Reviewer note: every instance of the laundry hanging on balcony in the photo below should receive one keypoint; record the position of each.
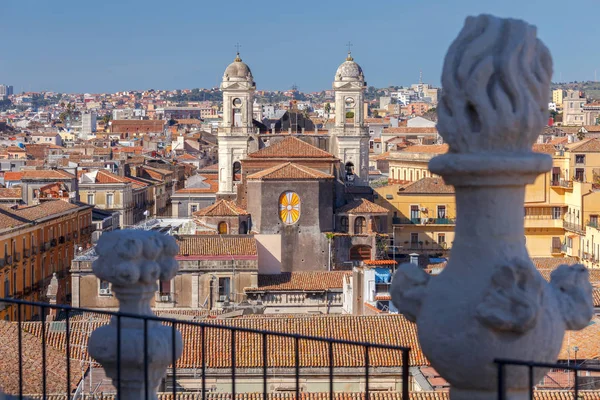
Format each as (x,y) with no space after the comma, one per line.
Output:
(383,275)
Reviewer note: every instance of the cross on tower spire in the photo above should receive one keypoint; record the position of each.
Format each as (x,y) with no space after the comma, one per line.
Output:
(349,45)
(237,56)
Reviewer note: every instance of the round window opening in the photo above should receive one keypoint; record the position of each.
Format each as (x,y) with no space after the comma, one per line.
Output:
(289,207)
(349,101)
(237,102)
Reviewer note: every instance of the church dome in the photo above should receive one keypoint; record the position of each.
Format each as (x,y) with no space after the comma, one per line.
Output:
(349,71)
(237,69)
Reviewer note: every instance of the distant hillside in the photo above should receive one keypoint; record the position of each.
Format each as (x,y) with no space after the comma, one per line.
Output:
(591,88)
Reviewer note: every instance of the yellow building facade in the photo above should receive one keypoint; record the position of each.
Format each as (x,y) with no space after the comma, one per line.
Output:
(561,213)
(35,243)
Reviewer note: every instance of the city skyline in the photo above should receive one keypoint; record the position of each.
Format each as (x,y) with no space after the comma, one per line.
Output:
(78,49)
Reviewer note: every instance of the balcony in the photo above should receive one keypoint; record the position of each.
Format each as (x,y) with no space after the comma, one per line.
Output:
(61,240)
(424,247)
(575,228)
(561,183)
(556,250)
(542,221)
(8,260)
(34,250)
(17,256)
(27,253)
(53,242)
(423,221)
(593,224)
(68,237)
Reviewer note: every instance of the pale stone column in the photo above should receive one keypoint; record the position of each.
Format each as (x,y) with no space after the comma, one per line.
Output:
(490,302)
(133,261)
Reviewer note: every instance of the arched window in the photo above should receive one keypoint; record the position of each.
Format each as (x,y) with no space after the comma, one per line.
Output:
(344,224)
(237,171)
(243,228)
(360,225)
(222,228)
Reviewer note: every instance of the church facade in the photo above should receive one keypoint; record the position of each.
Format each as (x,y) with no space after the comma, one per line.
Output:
(292,184)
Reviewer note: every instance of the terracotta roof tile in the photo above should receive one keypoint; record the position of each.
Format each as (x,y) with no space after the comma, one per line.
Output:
(427,185)
(10,193)
(590,145)
(380,262)
(45,174)
(302,280)
(13,176)
(289,171)
(104,176)
(56,375)
(362,206)
(216,245)
(544,148)
(222,208)
(291,147)
(427,148)
(410,131)
(214,188)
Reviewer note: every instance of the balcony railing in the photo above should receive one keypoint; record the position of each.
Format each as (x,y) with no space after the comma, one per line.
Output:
(61,239)
(305,352)
(27,253)
(8,259)
(53,243)
(556,249)
(561,183)
(423,221)
(593,223)
(17,256)
(577,228)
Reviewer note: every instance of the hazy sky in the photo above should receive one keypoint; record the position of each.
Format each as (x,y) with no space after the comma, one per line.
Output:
(112,45)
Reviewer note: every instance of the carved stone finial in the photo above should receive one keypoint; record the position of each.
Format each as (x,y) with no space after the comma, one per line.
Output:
(496,79)
(490,302)
(133,261)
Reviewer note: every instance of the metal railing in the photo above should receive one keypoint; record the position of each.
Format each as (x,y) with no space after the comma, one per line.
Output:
(503,364)
(232,338)
(423,221)
(577,228)
(561,183)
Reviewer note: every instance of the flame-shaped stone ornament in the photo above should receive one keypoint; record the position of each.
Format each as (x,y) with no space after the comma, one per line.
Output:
(490,302)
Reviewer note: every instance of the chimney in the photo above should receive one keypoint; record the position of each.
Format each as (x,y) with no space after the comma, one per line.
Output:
(303,131)
(290,130)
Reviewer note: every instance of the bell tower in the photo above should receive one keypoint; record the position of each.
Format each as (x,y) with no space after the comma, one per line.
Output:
(350,137)
(236,128)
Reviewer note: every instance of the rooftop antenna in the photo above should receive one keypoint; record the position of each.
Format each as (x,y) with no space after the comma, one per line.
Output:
(420,77)
(349,45)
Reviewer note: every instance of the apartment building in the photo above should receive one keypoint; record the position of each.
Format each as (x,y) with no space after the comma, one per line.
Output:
(110,192)
(37,242)
(573,104)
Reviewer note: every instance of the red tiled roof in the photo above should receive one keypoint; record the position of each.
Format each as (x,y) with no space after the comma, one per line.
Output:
(291,147)
(289,171)
(214,188)
(362,206)
(10,193)
(427,185)
(104,176)
(427,148)
(546,148)
(13,176)
(222,208)
(409,131)
(216,245)
(301,280)
(45,174)
(380,262)
(31,357)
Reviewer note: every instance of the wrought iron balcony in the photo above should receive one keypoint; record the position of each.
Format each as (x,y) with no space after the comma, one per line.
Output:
(423,221)
(17,256)
(572,227)
(561,183)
